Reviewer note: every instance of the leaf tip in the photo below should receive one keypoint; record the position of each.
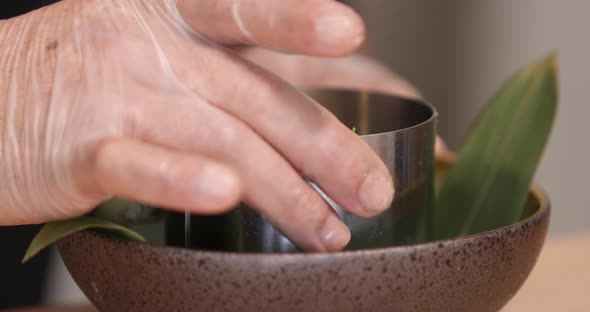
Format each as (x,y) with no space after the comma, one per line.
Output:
(548,67)
(552,67)
(551,58)
(549,63)
(28,255)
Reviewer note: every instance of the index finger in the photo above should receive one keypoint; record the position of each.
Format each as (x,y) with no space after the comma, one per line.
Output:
(312,27)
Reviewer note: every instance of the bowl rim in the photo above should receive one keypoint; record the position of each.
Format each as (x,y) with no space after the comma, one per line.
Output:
(445,159)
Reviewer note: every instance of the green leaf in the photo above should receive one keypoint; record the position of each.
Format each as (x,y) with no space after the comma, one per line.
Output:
(53,231)
(487,188)
(125,212)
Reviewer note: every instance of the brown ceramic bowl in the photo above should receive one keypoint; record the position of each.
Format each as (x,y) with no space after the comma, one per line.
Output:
(473,273)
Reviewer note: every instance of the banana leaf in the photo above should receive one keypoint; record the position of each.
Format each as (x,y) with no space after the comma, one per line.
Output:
(487,187)
(54,231)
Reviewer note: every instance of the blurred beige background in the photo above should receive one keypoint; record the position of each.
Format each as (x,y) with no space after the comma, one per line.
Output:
(458,52)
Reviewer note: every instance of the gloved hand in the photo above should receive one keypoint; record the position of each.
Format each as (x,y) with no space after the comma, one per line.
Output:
(137,99)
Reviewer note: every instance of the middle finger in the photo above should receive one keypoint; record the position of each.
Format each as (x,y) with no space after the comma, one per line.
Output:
(305,133)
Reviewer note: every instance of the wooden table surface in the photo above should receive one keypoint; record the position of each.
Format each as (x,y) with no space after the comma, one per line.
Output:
(560,280)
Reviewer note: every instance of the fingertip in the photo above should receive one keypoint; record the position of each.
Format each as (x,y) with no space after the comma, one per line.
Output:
(335,234)
(376,192)
(338,32)
(223,187)
(440,147)
(166,178)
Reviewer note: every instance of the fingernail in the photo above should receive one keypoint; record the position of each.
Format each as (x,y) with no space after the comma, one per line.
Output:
(376,192)
(337,30)
(335,234)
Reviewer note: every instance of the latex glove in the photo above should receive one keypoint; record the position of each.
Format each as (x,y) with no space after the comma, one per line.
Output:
(127,98)
(354,72)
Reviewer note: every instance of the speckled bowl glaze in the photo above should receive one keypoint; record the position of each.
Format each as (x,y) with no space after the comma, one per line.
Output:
(473,273)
